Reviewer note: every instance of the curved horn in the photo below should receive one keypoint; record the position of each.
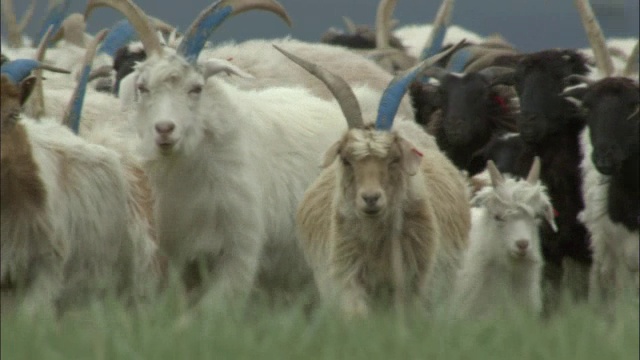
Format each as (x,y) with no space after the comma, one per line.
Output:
(165,28)
(14,28)
(383,22)
(436,72)
(534,172)
(349,25)
(496,177)
(34,107)
(137,18)
(120,34)
(486,59)
(596,37)
(459,60)
(394,92)
(338,87)
(438,30)
(579,79)
(632,62)
(214,15)
(55,17)
(74,109)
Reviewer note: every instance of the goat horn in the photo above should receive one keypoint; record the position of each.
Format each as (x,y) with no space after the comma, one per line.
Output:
(632,62)
(120,34)
(214,15)
(338,87)
(438,30)
(575,78)
(55,17)
(394,92)
(349,25)
(9,15)
(485,59)
(459,60)
(34,107)
(534,172)
(596,37)
(496,177)
(102,71)
(138,19)
(383,19)
(162,26)
(74,109)
(27,16)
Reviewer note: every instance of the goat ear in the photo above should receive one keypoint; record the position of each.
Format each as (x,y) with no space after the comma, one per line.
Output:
(26,87)
(214,66)
(411,156)
(550,216)
(331,154)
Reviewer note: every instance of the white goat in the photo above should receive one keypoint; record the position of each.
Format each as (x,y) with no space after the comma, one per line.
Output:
(503,264)
(220,160)
(384,220)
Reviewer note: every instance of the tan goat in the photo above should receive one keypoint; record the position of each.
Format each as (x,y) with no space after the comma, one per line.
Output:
(388,221)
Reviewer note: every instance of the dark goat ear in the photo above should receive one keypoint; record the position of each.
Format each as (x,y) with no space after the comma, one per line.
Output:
(26,87)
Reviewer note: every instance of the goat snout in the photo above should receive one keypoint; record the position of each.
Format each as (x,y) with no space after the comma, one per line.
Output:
(371,202)
(371,199)
(165,127)
(522,244)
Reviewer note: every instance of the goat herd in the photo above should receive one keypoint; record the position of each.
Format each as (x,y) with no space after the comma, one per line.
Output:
(368,168)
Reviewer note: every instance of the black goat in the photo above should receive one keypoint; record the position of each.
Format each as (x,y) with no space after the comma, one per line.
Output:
(471,109)
(124,60)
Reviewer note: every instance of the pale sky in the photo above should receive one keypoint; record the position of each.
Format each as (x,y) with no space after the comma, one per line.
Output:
(530,25)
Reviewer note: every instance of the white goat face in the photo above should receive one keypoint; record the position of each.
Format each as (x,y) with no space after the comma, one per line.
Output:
(375,166)
(519,233)
(168,91)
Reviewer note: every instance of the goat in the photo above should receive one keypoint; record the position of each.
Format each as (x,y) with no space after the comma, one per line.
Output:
(503,264)
(472,109)
(216,172)
(388,218)
(610,149)
(15,38)
(66,231)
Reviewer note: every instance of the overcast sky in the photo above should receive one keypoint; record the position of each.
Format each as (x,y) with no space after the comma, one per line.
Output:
(530,25)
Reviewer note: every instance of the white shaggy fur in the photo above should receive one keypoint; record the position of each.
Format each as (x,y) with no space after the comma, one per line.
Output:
(496,272)
(84,241)
(226,190)
(615,266)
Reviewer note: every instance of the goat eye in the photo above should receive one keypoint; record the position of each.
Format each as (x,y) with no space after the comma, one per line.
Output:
(197,89)
(498,218)
(143,89)
(345,162)
(395,161)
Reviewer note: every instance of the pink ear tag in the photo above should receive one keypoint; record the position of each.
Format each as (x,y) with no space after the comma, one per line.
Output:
(417,152)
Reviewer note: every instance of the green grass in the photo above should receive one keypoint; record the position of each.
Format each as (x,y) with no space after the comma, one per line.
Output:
(108,331)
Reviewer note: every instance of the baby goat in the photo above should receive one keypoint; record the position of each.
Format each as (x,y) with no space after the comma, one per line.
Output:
(503,264)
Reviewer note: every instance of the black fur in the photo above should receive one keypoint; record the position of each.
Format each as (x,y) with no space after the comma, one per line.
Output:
(123,62)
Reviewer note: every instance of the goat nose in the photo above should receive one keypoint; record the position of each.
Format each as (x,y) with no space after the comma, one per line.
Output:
(522,244)
(371,198)
(165,127)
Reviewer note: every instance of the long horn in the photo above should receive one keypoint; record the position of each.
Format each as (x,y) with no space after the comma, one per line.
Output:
(460,59)
(34,107)
(18,70)
(496,177)
(121,34)
(55,17)
(394,92)
(632,62)
(596,37)
(214,15)
(14,28)
(579,79)
(74,109)
(486,59)
(349,25)
(338,87)
(383,22)
(137,18)
(534,173)
(438,30)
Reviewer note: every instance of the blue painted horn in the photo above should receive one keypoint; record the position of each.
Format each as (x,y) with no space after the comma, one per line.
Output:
(214,15)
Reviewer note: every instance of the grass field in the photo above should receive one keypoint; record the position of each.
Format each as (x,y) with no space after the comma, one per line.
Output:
(107,331)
